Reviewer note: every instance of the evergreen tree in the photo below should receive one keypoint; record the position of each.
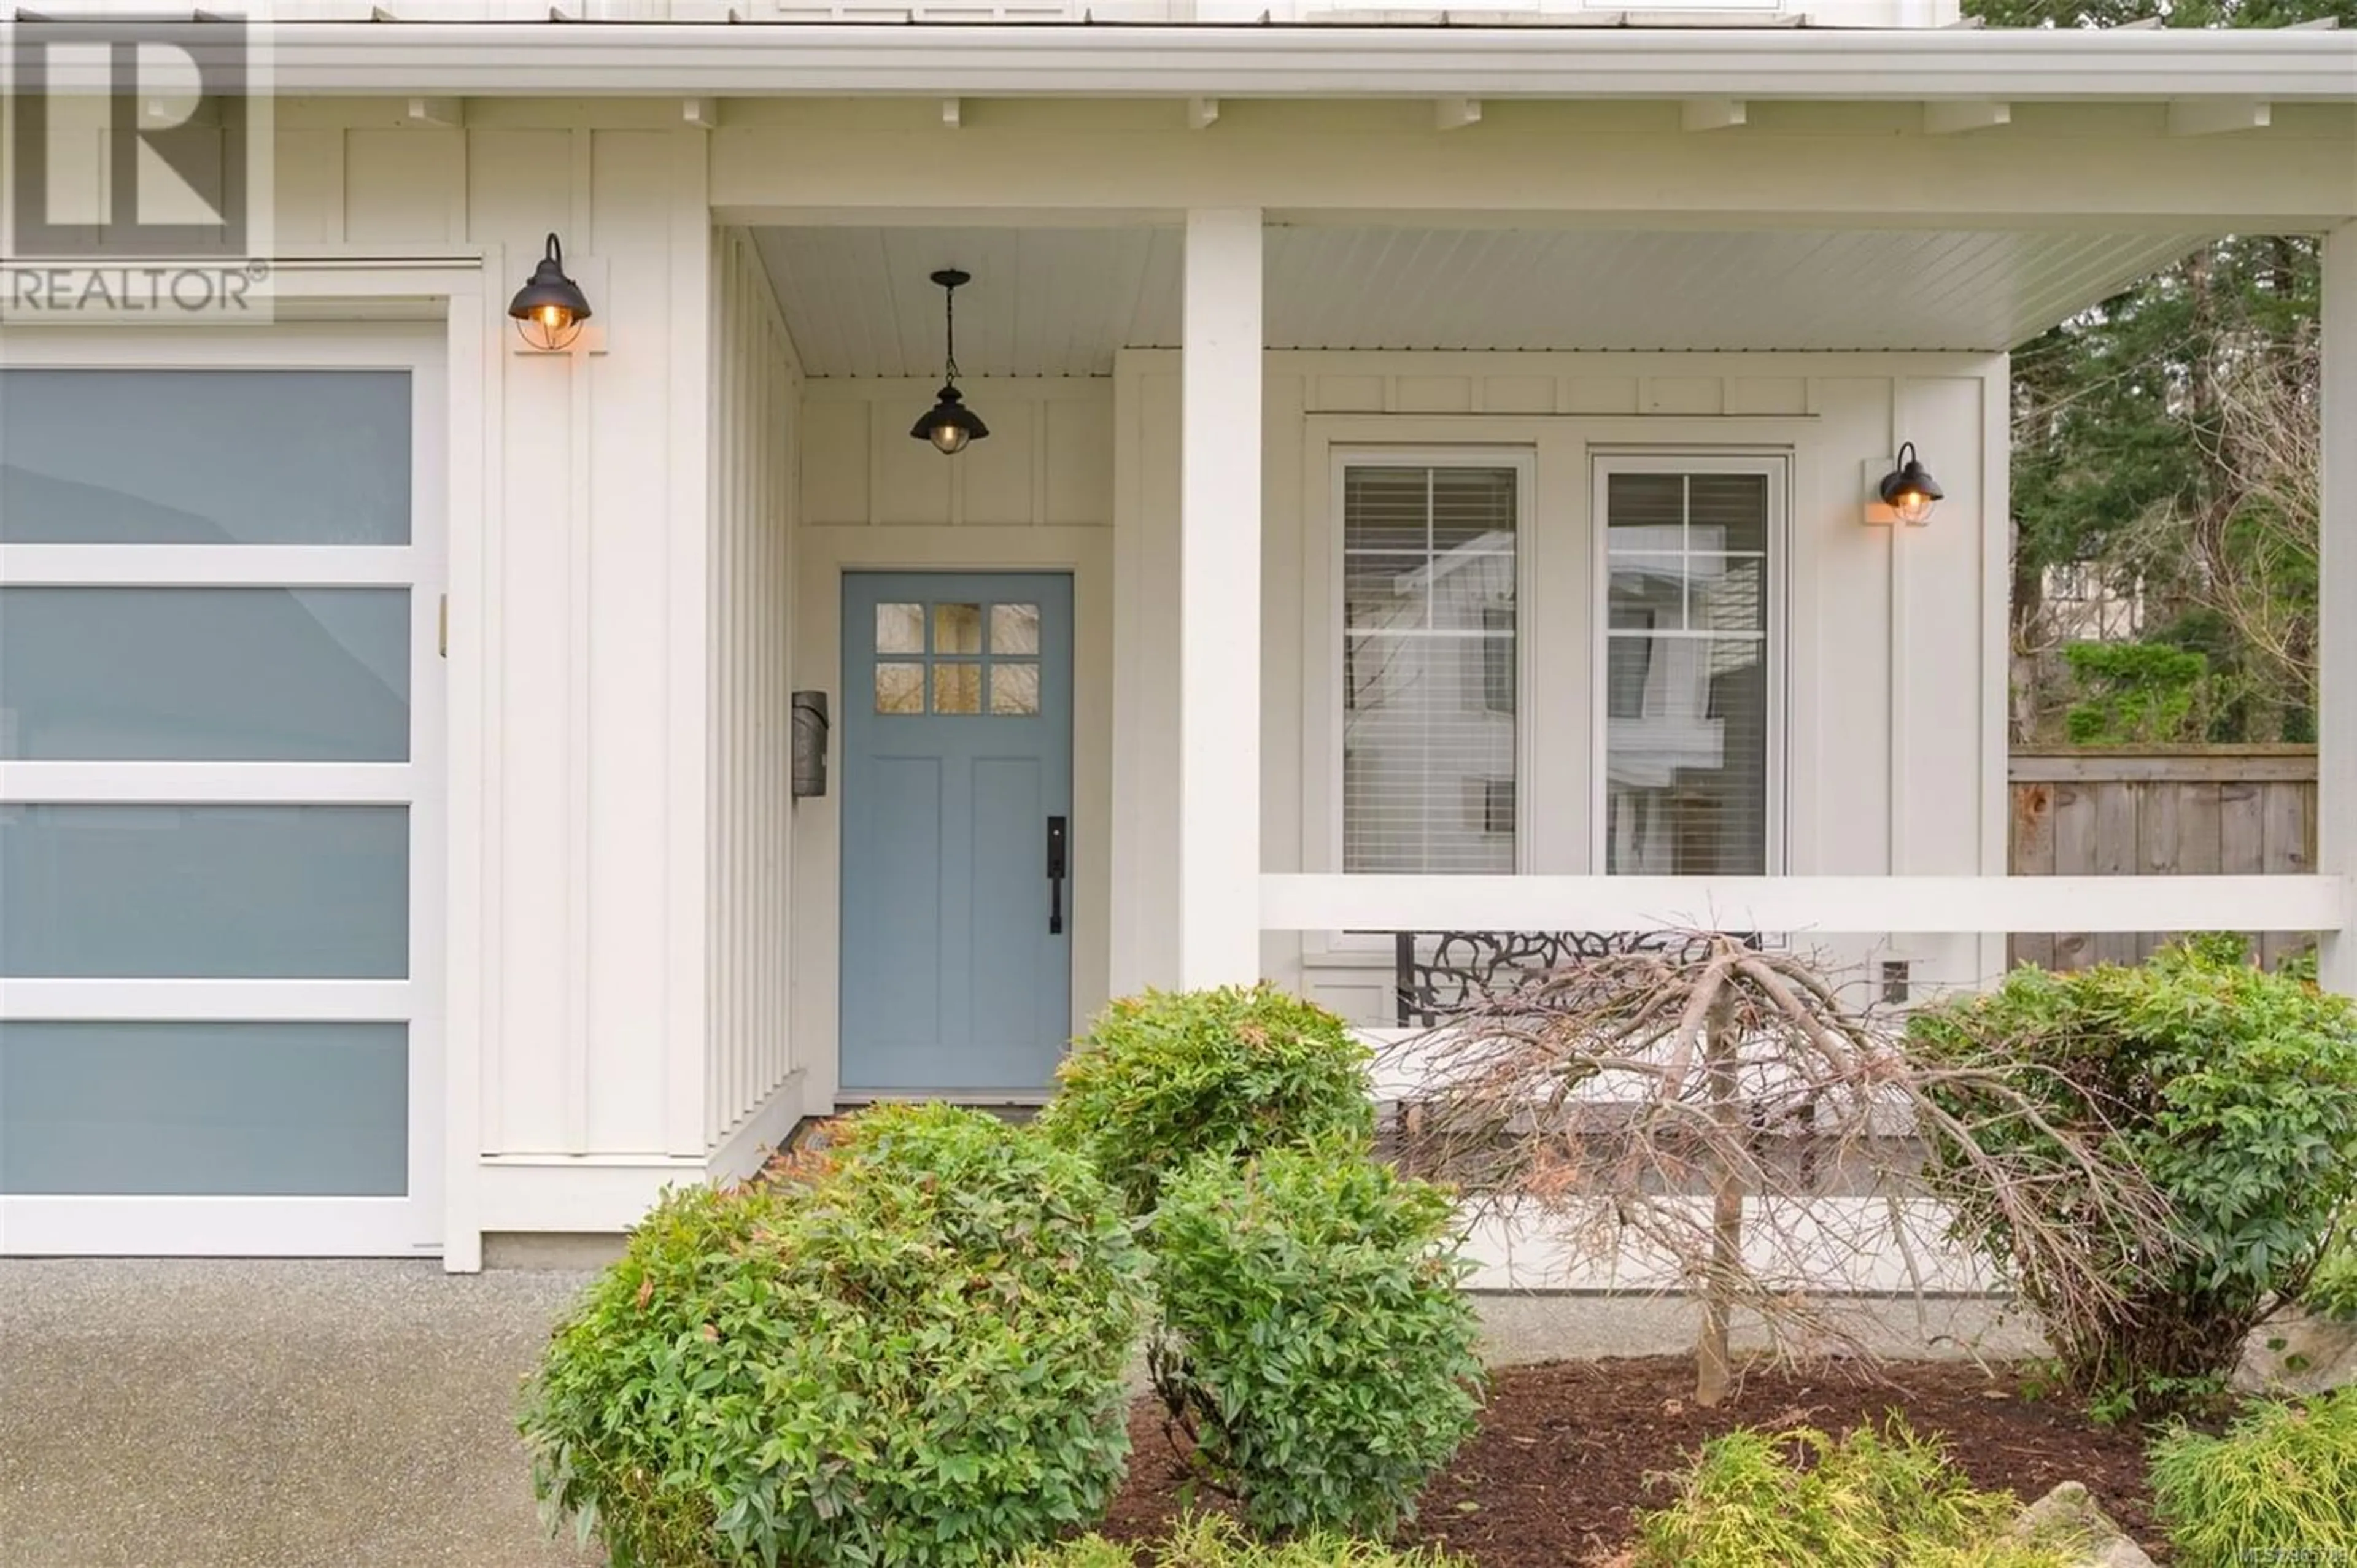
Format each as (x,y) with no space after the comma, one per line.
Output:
(2163,444)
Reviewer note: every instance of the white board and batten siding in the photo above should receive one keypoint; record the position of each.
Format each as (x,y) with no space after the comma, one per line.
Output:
(756,414)
(612,779)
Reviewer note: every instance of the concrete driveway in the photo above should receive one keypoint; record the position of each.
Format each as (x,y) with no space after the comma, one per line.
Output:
(313,1415)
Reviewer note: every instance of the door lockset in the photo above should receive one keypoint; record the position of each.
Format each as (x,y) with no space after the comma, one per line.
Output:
(1055,876)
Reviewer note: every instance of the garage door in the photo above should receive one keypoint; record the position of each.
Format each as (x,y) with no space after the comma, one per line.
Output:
(220,731)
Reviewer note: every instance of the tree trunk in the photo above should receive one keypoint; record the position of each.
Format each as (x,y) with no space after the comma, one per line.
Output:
(1713,1363)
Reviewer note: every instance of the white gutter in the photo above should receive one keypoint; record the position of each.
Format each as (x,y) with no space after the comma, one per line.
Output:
(646,58)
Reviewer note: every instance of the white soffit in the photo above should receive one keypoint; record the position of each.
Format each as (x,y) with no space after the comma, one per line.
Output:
(1059,302)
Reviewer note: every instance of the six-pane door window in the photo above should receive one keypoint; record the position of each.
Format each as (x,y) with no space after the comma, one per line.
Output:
(983,659)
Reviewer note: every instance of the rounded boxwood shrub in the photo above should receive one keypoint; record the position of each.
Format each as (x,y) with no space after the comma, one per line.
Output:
(2279,1486)
(2232,1091)
(910,1351)
(1313,1342)
(1162,1078)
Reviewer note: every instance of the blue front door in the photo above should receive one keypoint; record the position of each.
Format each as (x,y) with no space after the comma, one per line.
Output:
(957,804)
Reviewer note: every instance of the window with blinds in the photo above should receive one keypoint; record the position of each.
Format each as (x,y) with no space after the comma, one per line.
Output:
(1686,673)
(1428,667)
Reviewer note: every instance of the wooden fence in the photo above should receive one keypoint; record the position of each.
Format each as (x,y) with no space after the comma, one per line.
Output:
(2235,810)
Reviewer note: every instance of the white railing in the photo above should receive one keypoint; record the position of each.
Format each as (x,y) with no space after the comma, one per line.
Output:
(1896,905)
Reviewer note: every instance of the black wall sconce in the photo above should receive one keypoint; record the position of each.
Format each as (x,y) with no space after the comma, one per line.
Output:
(549,309)
(1910,490)
(949,425)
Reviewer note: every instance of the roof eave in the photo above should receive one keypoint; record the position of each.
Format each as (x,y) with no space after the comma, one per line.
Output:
(1324,61)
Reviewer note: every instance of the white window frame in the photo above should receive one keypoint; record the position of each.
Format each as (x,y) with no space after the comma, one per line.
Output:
(1340,459)
(1777,469)
(411,1224)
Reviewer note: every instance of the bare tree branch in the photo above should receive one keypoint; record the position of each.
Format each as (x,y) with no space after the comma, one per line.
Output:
(1759,1148)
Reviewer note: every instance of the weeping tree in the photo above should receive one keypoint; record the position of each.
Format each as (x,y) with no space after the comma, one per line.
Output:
(1717,1117)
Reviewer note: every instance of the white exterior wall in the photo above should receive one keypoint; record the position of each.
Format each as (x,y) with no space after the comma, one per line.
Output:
(1893,631)
(756,394)
(1895,748)
(579,999)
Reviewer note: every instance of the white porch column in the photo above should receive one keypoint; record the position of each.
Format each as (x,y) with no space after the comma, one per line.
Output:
(2336,608)
(1219,601)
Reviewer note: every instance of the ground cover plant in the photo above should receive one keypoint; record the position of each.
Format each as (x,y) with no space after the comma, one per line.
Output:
(1165,1078)
(1213,1540)
(2279,1486)
(908,1350)
(1872,1497)
(2232,1091)
(1313,1348)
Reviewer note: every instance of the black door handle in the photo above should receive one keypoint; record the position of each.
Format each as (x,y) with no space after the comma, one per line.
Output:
(1055,876)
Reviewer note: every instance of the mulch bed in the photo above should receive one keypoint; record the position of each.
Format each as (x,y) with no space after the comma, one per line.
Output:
(1563,1460)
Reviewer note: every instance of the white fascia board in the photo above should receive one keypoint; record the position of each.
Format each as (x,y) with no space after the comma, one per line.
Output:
(1101,61)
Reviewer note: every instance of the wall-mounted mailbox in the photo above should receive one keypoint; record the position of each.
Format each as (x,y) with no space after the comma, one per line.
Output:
(810,743)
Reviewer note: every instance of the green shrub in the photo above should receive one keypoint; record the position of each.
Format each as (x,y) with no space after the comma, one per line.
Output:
(1163,1078)
(1313,1341)
(912,1353)
(2136,694)
(1211,1541)
(1875,1499)
(2279,1486)
(2232,1091)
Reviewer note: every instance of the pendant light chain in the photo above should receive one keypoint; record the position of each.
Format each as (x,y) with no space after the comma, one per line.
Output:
(949,304)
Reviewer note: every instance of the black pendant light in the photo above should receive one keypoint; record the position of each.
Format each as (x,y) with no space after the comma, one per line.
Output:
(949,425)
(550,308)
(1910,490)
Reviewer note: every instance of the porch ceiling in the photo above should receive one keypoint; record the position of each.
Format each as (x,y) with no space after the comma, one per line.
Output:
(1059,302)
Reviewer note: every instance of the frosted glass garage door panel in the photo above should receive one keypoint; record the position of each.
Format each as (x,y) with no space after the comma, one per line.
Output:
(205,675)
(171,892)
(147,456)
(214,1110)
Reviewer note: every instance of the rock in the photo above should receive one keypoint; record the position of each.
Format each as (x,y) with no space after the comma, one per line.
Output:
(2298,1354)
(2070,1518)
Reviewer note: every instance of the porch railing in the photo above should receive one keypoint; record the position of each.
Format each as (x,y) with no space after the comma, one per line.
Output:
(1437,973)
(1935,906)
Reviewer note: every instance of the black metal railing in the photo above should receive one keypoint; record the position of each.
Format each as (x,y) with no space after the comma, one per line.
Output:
(1438,973)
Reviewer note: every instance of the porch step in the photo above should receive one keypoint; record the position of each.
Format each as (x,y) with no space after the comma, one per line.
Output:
(810,1133)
